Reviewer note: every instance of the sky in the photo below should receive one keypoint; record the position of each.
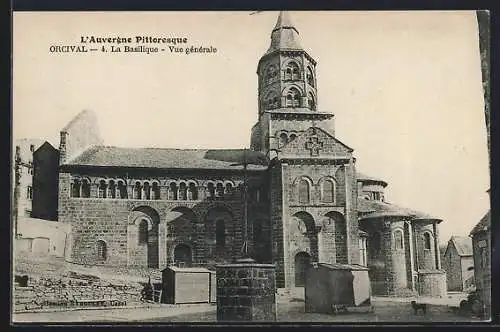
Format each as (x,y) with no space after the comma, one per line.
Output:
(405,88)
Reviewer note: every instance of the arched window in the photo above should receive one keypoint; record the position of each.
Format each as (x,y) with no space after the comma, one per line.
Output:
(192,192)
(220,234)
(292,71)
(228,189)
(143,232)
(292,137)
(112,189)
(303,191)
(311,102)
(219,190)
(146,188)
(293,98)
(310,76)
(155,193)
(85,188)
(283,140)
(398,239)
(137,190)
(427,241)
(182,191)
(328,191)
(210,190)
(102,250)
(172,191)
(102,189)
(75,188)
(122,189)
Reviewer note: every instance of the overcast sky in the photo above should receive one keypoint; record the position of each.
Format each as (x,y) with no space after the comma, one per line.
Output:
(405,88)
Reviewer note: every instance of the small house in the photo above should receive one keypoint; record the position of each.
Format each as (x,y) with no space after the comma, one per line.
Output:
(459,264)
(329,286)
(182,285)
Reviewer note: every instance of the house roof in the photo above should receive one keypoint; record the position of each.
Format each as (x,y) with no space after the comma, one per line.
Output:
(378,209)
(110,156)
(483,225)
(463,245)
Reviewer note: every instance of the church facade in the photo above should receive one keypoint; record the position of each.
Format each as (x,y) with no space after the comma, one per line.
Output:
(151,207)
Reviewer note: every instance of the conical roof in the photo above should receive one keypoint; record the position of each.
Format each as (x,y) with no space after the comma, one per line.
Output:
(284,35)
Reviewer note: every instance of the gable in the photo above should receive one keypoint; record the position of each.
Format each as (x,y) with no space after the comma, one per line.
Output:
(316,143)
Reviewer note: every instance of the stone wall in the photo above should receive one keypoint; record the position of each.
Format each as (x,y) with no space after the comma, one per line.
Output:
(482,268)
(115,222)
(432,283)
(246,292)
(50,292)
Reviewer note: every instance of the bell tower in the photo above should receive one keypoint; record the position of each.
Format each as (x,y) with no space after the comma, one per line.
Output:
(287,90)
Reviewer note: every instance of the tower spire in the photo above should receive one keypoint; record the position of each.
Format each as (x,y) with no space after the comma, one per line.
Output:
(285,35)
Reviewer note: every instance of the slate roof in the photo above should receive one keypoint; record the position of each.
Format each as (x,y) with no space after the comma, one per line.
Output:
(284,36)
(337,266)
(377,209)
(463,245)
(483,225)
(110,156)
(363,177)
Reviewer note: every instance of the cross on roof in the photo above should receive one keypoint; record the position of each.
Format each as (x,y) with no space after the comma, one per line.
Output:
(314,145)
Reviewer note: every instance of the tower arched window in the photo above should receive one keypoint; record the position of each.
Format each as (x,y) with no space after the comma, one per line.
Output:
(102,250)
(311,102)
(220,233)
(137,190)
(292,137)
(328,191)
(427,241)
(85,188)
(398,239)
(182,191)
(172,191)
(303,191)
(112,189)
(75,188)
(102,189)
(283,140)
(310,76)
(143,231)
(155,192)
(293,98)
(292,71)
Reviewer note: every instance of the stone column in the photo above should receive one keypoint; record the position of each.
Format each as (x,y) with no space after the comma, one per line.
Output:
(162,245)
(246,292)
(436,246)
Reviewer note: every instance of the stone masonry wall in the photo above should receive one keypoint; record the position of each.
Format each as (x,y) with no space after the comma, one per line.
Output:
(114,222)
(46,292)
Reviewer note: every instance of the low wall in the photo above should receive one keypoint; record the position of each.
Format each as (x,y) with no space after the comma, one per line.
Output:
(432,283)
(43,293)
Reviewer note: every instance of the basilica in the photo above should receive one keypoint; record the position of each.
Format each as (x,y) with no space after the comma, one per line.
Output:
(152,207)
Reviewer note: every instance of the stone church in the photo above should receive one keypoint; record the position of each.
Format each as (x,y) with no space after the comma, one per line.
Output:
(151,207)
